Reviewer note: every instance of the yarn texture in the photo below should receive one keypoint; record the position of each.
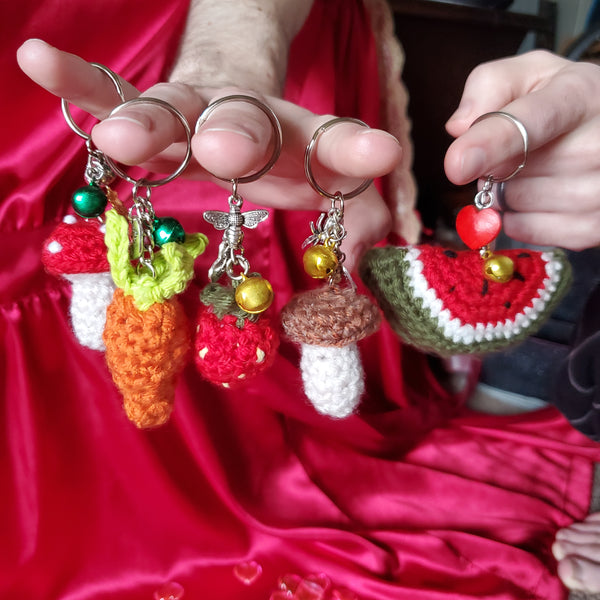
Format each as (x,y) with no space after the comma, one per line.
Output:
(439,300)
(333,378)
(327,323)
(147,334)
(330,316)
(145,352)
(174,264)
(76,251)
(92,293)
(231,345)
(75,246)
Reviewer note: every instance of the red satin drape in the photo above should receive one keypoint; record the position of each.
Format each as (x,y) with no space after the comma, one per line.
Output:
(410,499)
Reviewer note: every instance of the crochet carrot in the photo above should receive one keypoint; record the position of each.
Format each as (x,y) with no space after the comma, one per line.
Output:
(147,334)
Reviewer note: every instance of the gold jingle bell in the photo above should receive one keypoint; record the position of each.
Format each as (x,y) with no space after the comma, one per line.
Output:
(499,268)
(320,262)
(254,294)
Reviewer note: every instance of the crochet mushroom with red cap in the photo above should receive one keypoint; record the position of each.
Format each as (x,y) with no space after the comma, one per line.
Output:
(76,251)
(327,323)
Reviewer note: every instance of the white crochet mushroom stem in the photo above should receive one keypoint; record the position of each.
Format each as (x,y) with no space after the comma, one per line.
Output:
(333,378)
(91,295)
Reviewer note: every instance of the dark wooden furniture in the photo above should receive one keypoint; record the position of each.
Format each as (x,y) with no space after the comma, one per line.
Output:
(443,42)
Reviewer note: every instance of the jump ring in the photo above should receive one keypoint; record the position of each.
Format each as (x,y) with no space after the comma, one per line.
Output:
(188,134)
(278,136)
(64,104)
(308,156)
(522,131)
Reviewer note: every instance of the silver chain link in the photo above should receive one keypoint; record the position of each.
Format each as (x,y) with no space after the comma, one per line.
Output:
(485,198)
(141,216)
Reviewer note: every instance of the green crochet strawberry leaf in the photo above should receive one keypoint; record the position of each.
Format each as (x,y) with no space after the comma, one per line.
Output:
(439,301)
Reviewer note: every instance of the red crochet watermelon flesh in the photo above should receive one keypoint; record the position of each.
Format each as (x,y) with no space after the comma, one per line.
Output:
(439,300)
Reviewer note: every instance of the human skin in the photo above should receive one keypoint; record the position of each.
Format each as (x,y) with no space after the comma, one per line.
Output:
(237,138)
(554,200)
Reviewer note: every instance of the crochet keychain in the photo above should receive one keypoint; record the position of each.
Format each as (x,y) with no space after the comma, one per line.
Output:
(234,340)
(75,250)
(147,333)
(474,301)
(328,321)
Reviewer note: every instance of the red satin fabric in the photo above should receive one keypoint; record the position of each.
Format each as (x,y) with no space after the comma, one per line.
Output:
(411,499)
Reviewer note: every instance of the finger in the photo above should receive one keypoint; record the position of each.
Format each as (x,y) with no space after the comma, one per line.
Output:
(572,231)
(138,132)
(69,76)
(578,573)
(494,84)
(563,548)
(553,194)
(575,154)
(367,221)
(583,532)
(494,146)
(236,139)
(350,153)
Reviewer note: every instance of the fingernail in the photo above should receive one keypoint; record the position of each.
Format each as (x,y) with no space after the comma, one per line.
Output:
(473,164)
(378,132)
(236,131)
(137,122)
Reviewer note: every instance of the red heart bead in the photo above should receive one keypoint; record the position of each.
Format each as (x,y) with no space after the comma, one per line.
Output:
(247,571)
(477,228)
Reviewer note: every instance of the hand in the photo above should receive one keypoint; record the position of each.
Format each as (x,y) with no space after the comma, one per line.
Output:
(555,200)
(233,142)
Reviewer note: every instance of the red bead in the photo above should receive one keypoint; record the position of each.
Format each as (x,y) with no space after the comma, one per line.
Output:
(169,591)
(247,571)
(478,228)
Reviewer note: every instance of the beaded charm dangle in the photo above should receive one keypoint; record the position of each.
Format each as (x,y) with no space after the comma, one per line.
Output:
(75,250)
(147,231)
(147,334)
(90,200)
(234,340)
(329,321)
(446,301)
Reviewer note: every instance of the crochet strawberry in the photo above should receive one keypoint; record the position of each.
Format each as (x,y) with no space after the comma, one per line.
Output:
(231,345)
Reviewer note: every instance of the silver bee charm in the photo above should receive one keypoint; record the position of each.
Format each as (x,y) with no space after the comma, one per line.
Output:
(231,223)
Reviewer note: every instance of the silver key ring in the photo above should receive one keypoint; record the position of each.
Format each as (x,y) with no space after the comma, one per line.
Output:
(188,133)
(522,130)
(308,157)
(64,103)
(277,134)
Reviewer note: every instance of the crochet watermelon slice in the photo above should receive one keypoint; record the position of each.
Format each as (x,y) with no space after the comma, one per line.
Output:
(439,301)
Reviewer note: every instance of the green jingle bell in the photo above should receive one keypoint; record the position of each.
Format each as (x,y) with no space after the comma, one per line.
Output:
(89,201)
(168,229)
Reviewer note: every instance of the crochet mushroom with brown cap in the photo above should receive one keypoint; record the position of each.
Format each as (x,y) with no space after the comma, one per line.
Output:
(76,251)
(327,323)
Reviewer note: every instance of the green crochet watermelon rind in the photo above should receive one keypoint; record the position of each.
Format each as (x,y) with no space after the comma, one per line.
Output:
(385,272)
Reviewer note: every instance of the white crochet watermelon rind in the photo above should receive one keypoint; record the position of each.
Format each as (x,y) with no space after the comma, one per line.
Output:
(417,312)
